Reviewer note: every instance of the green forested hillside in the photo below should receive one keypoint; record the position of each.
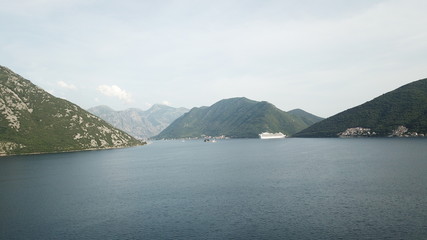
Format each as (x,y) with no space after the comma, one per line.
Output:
(235,117)
(308,118)
(405,106)
(32,120)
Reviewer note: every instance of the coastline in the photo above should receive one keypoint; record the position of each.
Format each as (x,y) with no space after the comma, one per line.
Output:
(71,151)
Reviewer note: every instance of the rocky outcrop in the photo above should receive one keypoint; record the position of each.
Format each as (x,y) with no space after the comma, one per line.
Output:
(32,120)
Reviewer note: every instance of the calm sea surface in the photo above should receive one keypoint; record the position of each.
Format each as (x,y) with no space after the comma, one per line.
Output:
(231,189)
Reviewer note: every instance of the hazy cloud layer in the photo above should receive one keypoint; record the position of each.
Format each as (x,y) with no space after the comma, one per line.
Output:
(322,56)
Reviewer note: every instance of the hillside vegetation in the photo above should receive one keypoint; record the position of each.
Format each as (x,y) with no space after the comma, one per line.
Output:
(405,106)
(237,118)
(34,121)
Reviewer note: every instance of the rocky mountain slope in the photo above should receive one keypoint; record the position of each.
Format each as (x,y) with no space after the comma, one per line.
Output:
(138,123)
(402,112)
(238,118)
(34,121)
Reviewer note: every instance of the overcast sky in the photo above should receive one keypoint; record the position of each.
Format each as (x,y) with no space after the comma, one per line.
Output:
(321,56)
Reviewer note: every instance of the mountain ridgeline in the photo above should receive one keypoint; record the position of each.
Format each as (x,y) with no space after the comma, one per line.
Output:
(138,123)
(405,106)
(34,121)
(237,118)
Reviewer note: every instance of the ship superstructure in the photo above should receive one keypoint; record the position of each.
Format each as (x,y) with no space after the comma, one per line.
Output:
(267,135)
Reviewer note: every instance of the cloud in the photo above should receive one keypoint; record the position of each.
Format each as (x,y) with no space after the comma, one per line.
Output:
(167,103)
(147,104)
(311,51)
(115,91)
(66,85)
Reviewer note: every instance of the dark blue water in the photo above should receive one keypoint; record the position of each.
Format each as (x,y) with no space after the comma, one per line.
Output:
(231,189)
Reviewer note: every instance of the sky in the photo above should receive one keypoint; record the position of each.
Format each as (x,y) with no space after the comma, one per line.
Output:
(321,56)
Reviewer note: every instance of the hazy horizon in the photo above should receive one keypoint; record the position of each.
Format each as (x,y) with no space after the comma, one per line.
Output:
(322,57)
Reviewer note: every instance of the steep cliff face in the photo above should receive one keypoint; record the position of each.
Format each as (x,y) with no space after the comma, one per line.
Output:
(32,120)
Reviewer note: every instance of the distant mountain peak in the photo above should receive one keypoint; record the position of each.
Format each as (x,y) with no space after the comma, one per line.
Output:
(236,99)
(158,106)
(139,123)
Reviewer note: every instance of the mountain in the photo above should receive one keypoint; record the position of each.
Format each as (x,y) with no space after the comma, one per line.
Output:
(308,118)
(34,121)
(235,117)
(405,106)
(139,123)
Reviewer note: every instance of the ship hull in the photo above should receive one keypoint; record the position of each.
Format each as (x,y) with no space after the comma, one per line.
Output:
(271,135)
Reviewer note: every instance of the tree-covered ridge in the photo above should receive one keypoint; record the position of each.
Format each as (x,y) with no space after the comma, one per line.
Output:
(405,106)
(305,116)
(237,118)
(33,121)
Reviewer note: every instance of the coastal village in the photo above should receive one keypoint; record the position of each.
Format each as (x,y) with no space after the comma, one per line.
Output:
(400,131)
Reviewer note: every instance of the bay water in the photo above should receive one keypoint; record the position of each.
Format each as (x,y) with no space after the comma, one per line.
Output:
(362,188)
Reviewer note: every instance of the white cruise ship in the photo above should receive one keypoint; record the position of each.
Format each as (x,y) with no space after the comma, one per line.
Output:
(267,135)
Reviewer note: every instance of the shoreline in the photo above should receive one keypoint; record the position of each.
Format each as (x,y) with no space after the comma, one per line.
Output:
(71,151)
